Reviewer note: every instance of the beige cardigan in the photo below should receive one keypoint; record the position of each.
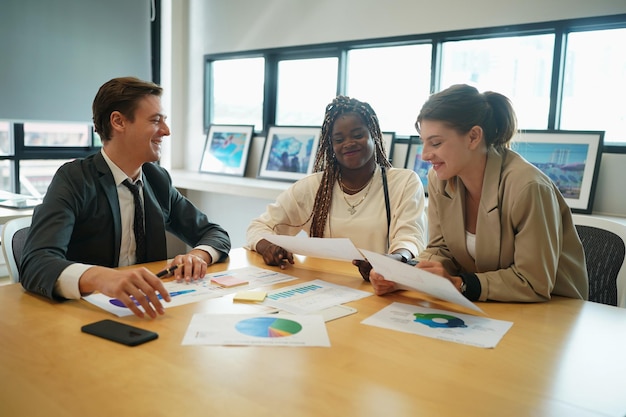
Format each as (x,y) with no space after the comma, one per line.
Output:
(527,247)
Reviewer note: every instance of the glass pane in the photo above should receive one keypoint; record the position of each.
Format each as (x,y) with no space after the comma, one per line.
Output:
(395,81)
(6,176)
(36,175)
(594,83)
(519,67)
(238,92)
(5,139)
(96,138)
(56,134)
(305,87)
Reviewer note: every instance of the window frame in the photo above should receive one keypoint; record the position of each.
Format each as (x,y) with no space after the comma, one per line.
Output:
(22,152)
(560,29)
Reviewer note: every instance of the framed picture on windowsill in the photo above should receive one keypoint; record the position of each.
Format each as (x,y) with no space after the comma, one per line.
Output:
(226,149)
(388,141)
(289,152)
(570,158)
(414,161)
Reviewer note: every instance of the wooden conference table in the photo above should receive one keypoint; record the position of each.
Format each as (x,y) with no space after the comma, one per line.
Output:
(561,358)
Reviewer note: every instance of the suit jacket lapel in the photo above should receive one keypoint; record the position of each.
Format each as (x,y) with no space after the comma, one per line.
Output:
(454,229)
(156,245)
(489,226)
(108,185)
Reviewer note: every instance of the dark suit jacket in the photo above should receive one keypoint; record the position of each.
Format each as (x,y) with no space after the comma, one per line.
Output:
(79,221)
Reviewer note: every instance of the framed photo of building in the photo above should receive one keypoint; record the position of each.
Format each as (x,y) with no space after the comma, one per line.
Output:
(570,158)
(289,152)
(226,149)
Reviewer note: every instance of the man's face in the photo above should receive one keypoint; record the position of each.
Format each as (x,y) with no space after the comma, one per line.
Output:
(144,134)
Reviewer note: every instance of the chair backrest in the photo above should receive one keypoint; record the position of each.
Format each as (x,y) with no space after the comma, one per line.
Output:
(13,237)
(604,244)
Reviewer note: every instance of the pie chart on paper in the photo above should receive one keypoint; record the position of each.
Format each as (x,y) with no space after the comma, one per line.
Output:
(268,327)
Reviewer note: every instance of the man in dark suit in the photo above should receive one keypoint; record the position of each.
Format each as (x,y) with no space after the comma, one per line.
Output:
(85,226)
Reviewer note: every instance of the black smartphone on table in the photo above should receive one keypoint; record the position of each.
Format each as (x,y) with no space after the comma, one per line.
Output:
(119,332)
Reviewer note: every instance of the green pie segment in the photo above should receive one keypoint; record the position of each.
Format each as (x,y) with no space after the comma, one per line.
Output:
(268,327)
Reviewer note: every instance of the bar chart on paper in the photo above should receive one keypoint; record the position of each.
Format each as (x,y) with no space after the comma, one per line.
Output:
(312,297)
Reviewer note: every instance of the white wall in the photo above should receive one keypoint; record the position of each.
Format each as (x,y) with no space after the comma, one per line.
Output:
(193,28)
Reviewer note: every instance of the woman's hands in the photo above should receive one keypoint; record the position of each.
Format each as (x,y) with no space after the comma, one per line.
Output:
(273,254)
(382,286)
(438,269)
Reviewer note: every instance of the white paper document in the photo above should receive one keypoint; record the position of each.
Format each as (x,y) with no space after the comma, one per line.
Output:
(185,293)
(440,324)
(318,247)
(312,296)
(411,278)
(256,330)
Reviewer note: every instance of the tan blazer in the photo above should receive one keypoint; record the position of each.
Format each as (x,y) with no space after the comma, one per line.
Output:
(527,247)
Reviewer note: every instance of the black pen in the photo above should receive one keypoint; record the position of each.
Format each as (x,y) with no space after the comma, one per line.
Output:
(168,271)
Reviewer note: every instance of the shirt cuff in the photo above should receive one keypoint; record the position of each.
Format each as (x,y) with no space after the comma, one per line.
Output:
(215,255)
(67,284)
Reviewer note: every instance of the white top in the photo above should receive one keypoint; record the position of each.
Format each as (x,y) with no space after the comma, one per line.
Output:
(470,242)
(367,227)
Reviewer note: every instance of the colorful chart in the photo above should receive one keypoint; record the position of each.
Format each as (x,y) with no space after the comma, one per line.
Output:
(119,303)
(439,320)
(268,327)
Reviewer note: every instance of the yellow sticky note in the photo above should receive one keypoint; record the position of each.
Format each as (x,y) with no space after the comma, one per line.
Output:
(250,296)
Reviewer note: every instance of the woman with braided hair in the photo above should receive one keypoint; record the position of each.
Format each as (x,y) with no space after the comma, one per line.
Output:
(354,193)
(499,229)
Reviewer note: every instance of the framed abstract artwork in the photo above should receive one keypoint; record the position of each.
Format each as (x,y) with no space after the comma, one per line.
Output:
(414,161)
(226,149)
(289,152)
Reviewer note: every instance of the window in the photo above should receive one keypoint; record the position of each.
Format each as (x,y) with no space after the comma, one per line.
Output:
(56,134)
(394,80)
(5,176)
(237,92)
(595,83)
(31,152)
(519,67)
(36,175)
(563,75)
(6,147)
(305,87)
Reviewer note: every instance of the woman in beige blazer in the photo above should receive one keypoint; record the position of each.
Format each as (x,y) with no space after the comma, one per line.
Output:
(499,229)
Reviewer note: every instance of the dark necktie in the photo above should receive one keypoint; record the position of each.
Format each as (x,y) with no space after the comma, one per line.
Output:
(138,226)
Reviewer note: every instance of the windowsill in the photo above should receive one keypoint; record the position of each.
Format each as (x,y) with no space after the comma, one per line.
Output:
(225,184)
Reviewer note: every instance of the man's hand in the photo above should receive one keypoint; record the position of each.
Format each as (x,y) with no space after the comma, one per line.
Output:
(193,265)
(130,286)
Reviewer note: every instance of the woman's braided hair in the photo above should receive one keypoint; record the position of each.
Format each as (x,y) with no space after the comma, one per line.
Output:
(325,158)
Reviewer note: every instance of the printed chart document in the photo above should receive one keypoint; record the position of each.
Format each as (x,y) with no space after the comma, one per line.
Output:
(184,293)
(311,297)
(318,247)
(256,330)
(440,324)
(410,278)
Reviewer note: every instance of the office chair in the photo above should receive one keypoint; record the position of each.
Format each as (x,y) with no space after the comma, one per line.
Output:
(605,251)
(13,237)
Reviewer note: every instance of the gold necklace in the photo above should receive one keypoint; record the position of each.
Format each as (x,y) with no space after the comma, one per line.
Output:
(352,207)
(354,190)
